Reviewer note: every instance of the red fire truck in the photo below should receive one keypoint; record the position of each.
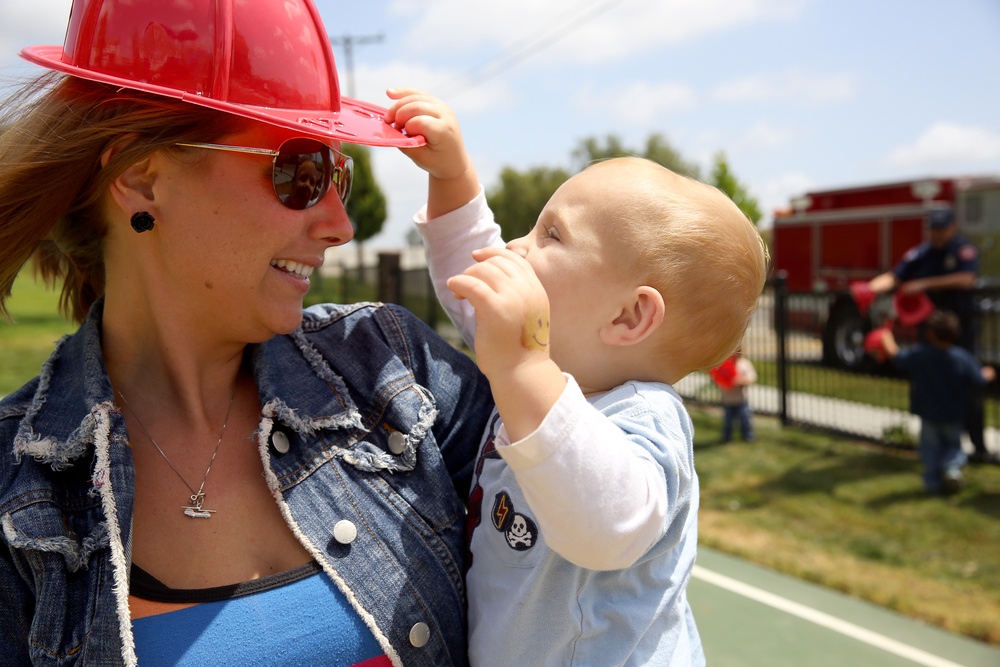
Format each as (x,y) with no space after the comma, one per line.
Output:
(829,238)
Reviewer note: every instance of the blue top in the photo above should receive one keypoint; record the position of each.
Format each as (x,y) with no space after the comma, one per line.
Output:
(382,418)
(941,381)
(926,261)
(528,605)
(295,618)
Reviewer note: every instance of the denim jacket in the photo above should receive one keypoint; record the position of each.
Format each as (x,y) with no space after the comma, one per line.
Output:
(383,419)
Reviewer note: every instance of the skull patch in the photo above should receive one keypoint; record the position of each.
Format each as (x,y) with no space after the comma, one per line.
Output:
(519,529)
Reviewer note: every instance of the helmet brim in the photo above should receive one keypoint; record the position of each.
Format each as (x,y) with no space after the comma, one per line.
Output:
(913,309)
(356,122)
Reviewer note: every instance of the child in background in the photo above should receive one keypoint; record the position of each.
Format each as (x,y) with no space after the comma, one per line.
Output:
(733,377)
(942,378)
(583,516)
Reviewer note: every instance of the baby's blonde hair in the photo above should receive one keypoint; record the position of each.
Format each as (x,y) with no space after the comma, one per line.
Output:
(689,241)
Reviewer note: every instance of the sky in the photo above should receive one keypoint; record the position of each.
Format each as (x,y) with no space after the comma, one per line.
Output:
(798,95)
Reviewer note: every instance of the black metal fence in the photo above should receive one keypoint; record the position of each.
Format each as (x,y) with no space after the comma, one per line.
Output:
(813,371)
(387,281)
(807,349)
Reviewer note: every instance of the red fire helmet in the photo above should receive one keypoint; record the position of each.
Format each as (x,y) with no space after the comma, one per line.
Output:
(266,60)
(913,309)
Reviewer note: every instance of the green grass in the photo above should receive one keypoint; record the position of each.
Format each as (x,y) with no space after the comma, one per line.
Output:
(889,392)
(854,517)
(27,342)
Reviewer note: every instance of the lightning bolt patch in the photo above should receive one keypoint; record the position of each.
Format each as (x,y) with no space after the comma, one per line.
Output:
(502,511)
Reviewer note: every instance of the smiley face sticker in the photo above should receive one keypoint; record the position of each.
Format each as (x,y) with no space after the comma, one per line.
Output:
(535,332)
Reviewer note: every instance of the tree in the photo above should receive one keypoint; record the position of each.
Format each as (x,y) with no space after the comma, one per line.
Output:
(520,197)
(367,206)
(724,179)
(657,149)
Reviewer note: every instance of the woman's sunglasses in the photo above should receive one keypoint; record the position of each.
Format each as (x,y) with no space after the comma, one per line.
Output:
(302,170)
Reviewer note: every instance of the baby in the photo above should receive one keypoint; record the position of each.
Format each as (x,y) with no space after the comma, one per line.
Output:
(583,515)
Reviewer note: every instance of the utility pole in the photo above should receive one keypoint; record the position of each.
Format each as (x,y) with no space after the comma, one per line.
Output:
(348,42)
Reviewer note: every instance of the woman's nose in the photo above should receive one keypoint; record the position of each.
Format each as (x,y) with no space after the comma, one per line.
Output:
(333,225)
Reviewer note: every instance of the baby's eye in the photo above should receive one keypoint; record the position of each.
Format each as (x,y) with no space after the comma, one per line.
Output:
(552,233)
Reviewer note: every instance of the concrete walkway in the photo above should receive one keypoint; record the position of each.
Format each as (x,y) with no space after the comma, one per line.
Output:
(865,420)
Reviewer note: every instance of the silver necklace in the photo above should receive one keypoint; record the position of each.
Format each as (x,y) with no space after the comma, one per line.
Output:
(196,509)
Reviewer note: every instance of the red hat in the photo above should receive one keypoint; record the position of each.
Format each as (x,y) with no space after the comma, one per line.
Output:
(912,309)
(266,60)
(863,296)
(874,341)
(725,374)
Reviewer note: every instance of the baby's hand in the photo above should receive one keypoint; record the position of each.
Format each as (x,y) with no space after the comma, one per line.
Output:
(453,181)
(512,310)
(444,156)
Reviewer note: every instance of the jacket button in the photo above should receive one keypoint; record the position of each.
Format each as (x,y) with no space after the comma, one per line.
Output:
(344,531)
(280,442)
(420,634)
(397,442)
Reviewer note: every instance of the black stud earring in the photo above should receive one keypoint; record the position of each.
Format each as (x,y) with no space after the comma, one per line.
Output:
(142,221)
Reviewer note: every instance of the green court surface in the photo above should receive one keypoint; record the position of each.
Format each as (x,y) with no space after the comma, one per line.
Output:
(749,616)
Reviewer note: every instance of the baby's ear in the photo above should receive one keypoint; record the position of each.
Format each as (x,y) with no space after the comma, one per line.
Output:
(640,316)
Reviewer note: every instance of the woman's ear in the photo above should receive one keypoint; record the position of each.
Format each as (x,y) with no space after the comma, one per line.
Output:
(132,190)
(641,315)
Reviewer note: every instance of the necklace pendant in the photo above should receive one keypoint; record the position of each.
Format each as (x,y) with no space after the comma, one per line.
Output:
(195,510)
(198,513)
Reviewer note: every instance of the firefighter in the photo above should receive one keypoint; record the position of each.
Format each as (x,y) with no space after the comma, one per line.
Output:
(945,267)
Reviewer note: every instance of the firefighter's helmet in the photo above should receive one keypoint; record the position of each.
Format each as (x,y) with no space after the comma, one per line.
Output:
(269,60)
(912,309)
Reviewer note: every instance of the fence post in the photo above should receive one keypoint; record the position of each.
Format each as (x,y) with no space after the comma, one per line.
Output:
(781,333)
(345,294)
(389,277)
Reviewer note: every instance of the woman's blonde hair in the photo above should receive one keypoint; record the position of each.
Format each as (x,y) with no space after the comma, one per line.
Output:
(53,131)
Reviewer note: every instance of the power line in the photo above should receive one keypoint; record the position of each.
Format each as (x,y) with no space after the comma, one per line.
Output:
(348,42)
(527,47)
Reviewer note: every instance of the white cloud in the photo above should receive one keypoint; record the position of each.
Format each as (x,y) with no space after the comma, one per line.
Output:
(370,84)
(405,185)
(768,135)
(795,86)
(28,23)
(948,143)
(565,30)
(776,193)
(640,102)
(36,17)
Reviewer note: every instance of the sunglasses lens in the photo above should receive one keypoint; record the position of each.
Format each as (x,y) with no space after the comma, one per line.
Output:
(301,172)
(343,175)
